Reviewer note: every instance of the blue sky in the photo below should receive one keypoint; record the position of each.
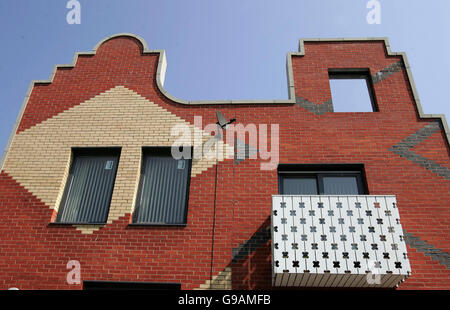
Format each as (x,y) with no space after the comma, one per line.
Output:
(233,49)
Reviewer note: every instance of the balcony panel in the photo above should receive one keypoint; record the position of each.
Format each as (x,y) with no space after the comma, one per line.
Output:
(337,241)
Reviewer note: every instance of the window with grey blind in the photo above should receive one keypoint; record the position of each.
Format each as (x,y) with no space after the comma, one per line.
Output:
(163,189)
(321,180)
(89,187)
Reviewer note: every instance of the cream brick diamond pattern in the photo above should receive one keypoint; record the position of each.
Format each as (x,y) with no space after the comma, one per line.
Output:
(39,157)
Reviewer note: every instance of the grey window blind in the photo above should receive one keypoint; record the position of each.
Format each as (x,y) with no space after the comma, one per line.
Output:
(89,189)
(164,189)
(340,185)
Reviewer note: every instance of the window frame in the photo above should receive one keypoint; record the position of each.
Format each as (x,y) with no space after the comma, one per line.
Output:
(85,152)
(161,150)
(356,74)
(319,171)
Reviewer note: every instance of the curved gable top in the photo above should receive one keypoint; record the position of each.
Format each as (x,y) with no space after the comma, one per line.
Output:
(161,71)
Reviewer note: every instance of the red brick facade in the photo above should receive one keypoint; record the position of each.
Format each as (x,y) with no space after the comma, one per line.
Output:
(34,253)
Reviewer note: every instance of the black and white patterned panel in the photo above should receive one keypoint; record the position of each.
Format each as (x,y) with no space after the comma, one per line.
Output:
(336,235)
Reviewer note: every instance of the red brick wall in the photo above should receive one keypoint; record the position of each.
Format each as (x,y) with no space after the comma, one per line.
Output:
(34,254)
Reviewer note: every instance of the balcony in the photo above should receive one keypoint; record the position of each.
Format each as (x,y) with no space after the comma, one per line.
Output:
(337,241)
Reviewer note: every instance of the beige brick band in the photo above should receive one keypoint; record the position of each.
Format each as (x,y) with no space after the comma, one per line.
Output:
(222,281)
(39,157)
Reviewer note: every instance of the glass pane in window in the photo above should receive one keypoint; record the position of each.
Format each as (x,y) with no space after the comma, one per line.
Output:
(346,185)
(300,186)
